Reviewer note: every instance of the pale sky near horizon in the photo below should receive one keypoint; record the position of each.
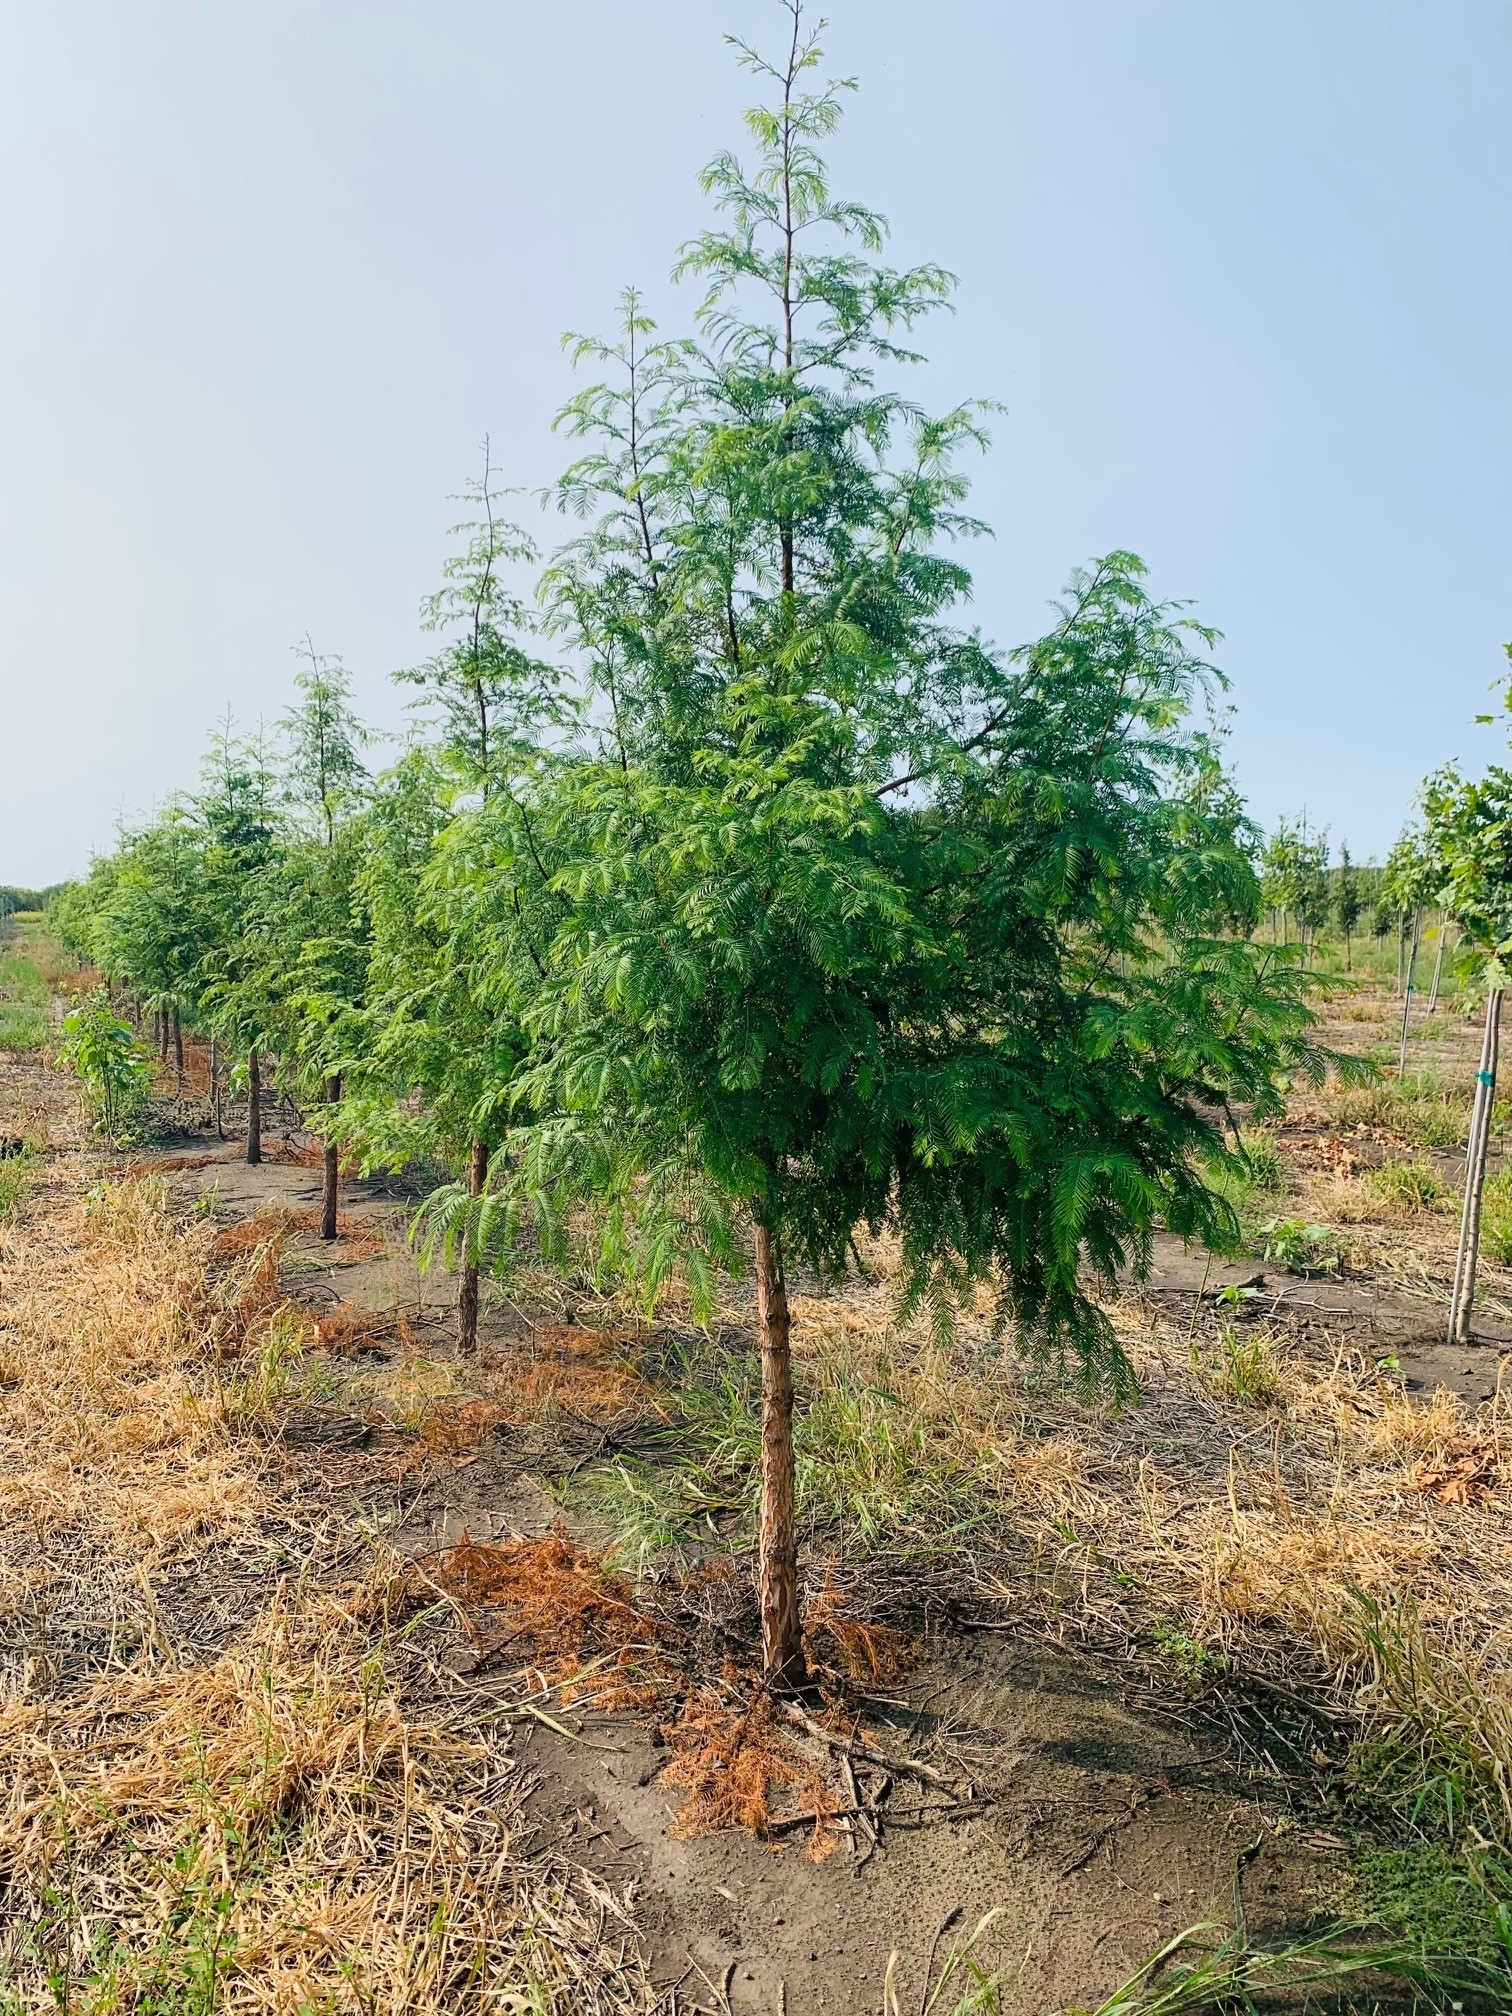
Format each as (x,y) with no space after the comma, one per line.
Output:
(1240,277)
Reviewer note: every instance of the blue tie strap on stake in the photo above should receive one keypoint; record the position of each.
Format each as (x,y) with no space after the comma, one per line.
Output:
(1485,1077)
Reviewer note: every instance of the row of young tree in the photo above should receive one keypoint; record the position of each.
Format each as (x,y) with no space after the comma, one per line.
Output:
(738,897)
(1306,893)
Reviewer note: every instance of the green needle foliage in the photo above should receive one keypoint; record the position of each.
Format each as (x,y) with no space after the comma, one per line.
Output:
(858,921)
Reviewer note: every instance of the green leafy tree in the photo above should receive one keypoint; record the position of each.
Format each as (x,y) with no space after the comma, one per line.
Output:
(1294,878)
(103,1052)
(1466,850)
(853,921)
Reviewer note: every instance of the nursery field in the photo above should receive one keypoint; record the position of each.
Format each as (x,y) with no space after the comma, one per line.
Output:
(340,1671)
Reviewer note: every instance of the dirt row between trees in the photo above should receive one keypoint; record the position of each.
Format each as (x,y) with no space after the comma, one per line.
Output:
(320,1684)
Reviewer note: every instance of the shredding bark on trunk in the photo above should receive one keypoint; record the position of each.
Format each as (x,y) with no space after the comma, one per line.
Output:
(331,1184)
(467,1294)
(777,1544)
(254,1106)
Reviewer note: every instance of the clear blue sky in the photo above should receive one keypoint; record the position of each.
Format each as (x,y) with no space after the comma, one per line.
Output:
(1241,276)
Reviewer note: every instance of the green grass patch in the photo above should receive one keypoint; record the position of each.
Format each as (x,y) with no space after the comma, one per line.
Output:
(1432,1899)
(19,1175)
(24,1002)
(1496,1218)
(22,1027)
(1416,1185)
(1431,1112)
(872,1468)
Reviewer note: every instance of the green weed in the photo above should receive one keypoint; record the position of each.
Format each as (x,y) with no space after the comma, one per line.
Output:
(1299,1247)
(1432,1898)
(1417,1185)
(1199,1665)
(18,1178)
(1244,1367)
(645,1510)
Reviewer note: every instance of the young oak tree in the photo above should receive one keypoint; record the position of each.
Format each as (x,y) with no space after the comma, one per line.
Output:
(853,920)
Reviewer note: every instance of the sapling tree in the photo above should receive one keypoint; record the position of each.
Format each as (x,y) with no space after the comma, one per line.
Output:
(1467,834)
(495,703)
(237,806)
(103,1052)
(1294,878)
(314,925)
(1407,885)
(843,919)
(1349,903)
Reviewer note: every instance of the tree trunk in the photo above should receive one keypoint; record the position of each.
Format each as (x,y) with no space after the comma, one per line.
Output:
(1417,919)
(330,1188)
(1348,952)
(254,1105)
(1463,1296)
(777,1544)
(214,1089)
(178,1047)
(467,1293)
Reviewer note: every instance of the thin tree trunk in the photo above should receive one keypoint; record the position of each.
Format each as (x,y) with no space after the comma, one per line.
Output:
(1417,919)
(1401,950)
(330,1188)
(254,1105)
(215,1098)
(467,1293)
(178,1047)
(1348,952)
(777,1546)
(1463,1297)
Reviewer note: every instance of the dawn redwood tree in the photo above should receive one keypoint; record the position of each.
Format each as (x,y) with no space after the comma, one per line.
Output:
(239,816)
(435,1031)
(853,920)
(309,920)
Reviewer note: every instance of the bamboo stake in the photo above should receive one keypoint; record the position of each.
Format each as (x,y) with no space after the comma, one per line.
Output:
(1463,1296)
(1417,920)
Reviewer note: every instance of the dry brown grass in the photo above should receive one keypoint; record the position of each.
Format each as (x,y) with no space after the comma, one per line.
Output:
(272,1826)
(114,1445)
(356,1238)
(275,1828)
(591,1371)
